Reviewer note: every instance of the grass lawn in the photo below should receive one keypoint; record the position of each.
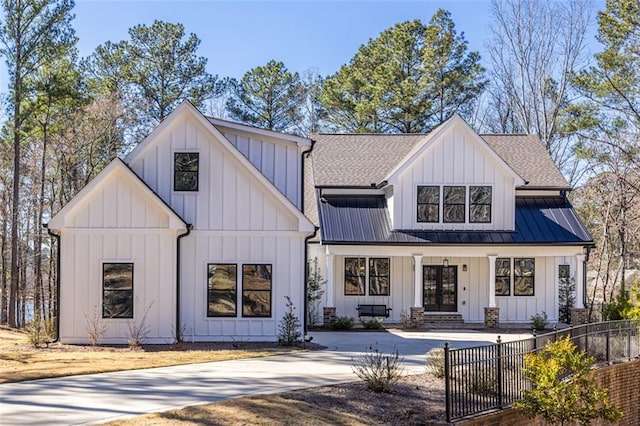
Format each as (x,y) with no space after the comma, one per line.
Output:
(19,361)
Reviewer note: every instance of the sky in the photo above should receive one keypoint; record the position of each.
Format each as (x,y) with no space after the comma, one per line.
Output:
(237,36)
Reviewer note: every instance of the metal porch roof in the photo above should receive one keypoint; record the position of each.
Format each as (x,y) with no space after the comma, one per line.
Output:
(364,220)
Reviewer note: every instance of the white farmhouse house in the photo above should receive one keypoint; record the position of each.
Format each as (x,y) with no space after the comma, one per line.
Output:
(200,231)
(448,226)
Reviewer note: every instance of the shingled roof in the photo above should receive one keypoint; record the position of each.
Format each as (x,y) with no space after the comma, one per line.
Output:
(364,159)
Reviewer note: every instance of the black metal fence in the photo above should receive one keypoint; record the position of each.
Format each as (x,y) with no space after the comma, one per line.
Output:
(491,377)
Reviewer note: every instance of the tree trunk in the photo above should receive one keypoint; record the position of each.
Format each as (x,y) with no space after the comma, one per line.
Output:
(15,204)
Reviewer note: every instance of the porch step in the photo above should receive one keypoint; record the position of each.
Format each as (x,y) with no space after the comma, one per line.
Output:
(442,320)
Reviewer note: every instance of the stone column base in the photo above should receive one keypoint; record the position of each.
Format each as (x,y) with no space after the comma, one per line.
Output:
(579,316)
(492,317)
(417,317)
(329,316)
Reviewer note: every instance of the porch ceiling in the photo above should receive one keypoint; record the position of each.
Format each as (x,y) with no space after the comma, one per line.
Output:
(365,220)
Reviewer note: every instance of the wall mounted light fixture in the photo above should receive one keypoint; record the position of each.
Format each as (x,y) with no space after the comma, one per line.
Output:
(445,262)
(464,268)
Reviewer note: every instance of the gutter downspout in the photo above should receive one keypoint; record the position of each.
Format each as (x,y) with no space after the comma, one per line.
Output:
(305,326)
(178,324)
(305,337)
(57,238)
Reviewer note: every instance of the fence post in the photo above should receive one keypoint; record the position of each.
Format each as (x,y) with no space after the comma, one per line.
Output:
(535,340)
(608,347)
(629,339)
(499,375)
(447,385)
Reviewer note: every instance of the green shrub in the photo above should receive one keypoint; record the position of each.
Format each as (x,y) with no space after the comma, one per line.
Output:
(343,323)
(39,331)
(563,388)
(539,321)
(289,328)
(379,371)
(373,324)
(435,362)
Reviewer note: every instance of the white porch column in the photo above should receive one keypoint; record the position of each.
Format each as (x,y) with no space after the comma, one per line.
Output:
(330,280)
(579,302)
(492,280)
(417,280)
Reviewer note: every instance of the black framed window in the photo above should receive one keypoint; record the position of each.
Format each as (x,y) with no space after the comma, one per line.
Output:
(503,276)
(428,204)
(117,290)
(379,276)
(453,206)
(524,271)
(256,290)
(185,171)
(480,204)
(563,272)
(222,290)
(354,276)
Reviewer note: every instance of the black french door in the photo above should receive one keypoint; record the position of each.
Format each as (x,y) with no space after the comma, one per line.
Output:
(440,285)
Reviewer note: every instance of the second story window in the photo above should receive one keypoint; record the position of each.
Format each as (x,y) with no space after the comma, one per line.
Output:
(453,205)
(480,204)
(428,203)
(185,171)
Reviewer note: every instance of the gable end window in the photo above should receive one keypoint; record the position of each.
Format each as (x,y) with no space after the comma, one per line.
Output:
(256,290)
(453,205)
(480,204)
(185,171)
(117,290)
(379,275)
(523,276)
(428,204)
(222,290)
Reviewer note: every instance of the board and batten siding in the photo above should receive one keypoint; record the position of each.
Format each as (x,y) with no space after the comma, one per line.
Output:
(153,255)
(454,158)
(278,160)
(228,198)
(283,251)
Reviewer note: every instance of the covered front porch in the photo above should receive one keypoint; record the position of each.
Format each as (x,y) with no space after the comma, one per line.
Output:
(419,282)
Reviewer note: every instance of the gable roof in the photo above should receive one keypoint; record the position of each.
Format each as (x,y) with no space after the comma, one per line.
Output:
(364,219)
(186,107)
(363,159)
(527,155)
(116,165)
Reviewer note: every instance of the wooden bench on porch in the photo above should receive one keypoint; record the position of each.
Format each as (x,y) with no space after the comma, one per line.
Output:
(373,311)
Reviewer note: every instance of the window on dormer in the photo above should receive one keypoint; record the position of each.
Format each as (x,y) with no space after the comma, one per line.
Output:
(480,204)
(428,203)
(453,205)
(185,171)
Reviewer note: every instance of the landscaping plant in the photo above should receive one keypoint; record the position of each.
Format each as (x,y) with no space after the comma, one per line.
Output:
(539,321)
(372,324)
(96,328)
(343,323)
(315,283)
(563,387)
(379,371)
(435,362)
(289,328)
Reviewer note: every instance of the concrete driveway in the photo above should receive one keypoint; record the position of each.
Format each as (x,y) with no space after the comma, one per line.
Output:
(99,398)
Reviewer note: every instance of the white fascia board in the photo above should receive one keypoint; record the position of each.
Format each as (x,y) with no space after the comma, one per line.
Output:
(455,251)
(299,140)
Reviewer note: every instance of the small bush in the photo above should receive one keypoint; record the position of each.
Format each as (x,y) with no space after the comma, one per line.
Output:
(560,399)
(343,323)
(539,321)
(435,362)
(39,331)
(138,331)
(483,380)
(373,324)
(96,328)
(379,371)
(289,328)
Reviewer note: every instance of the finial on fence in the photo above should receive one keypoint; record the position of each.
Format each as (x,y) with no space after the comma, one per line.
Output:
(499,340)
